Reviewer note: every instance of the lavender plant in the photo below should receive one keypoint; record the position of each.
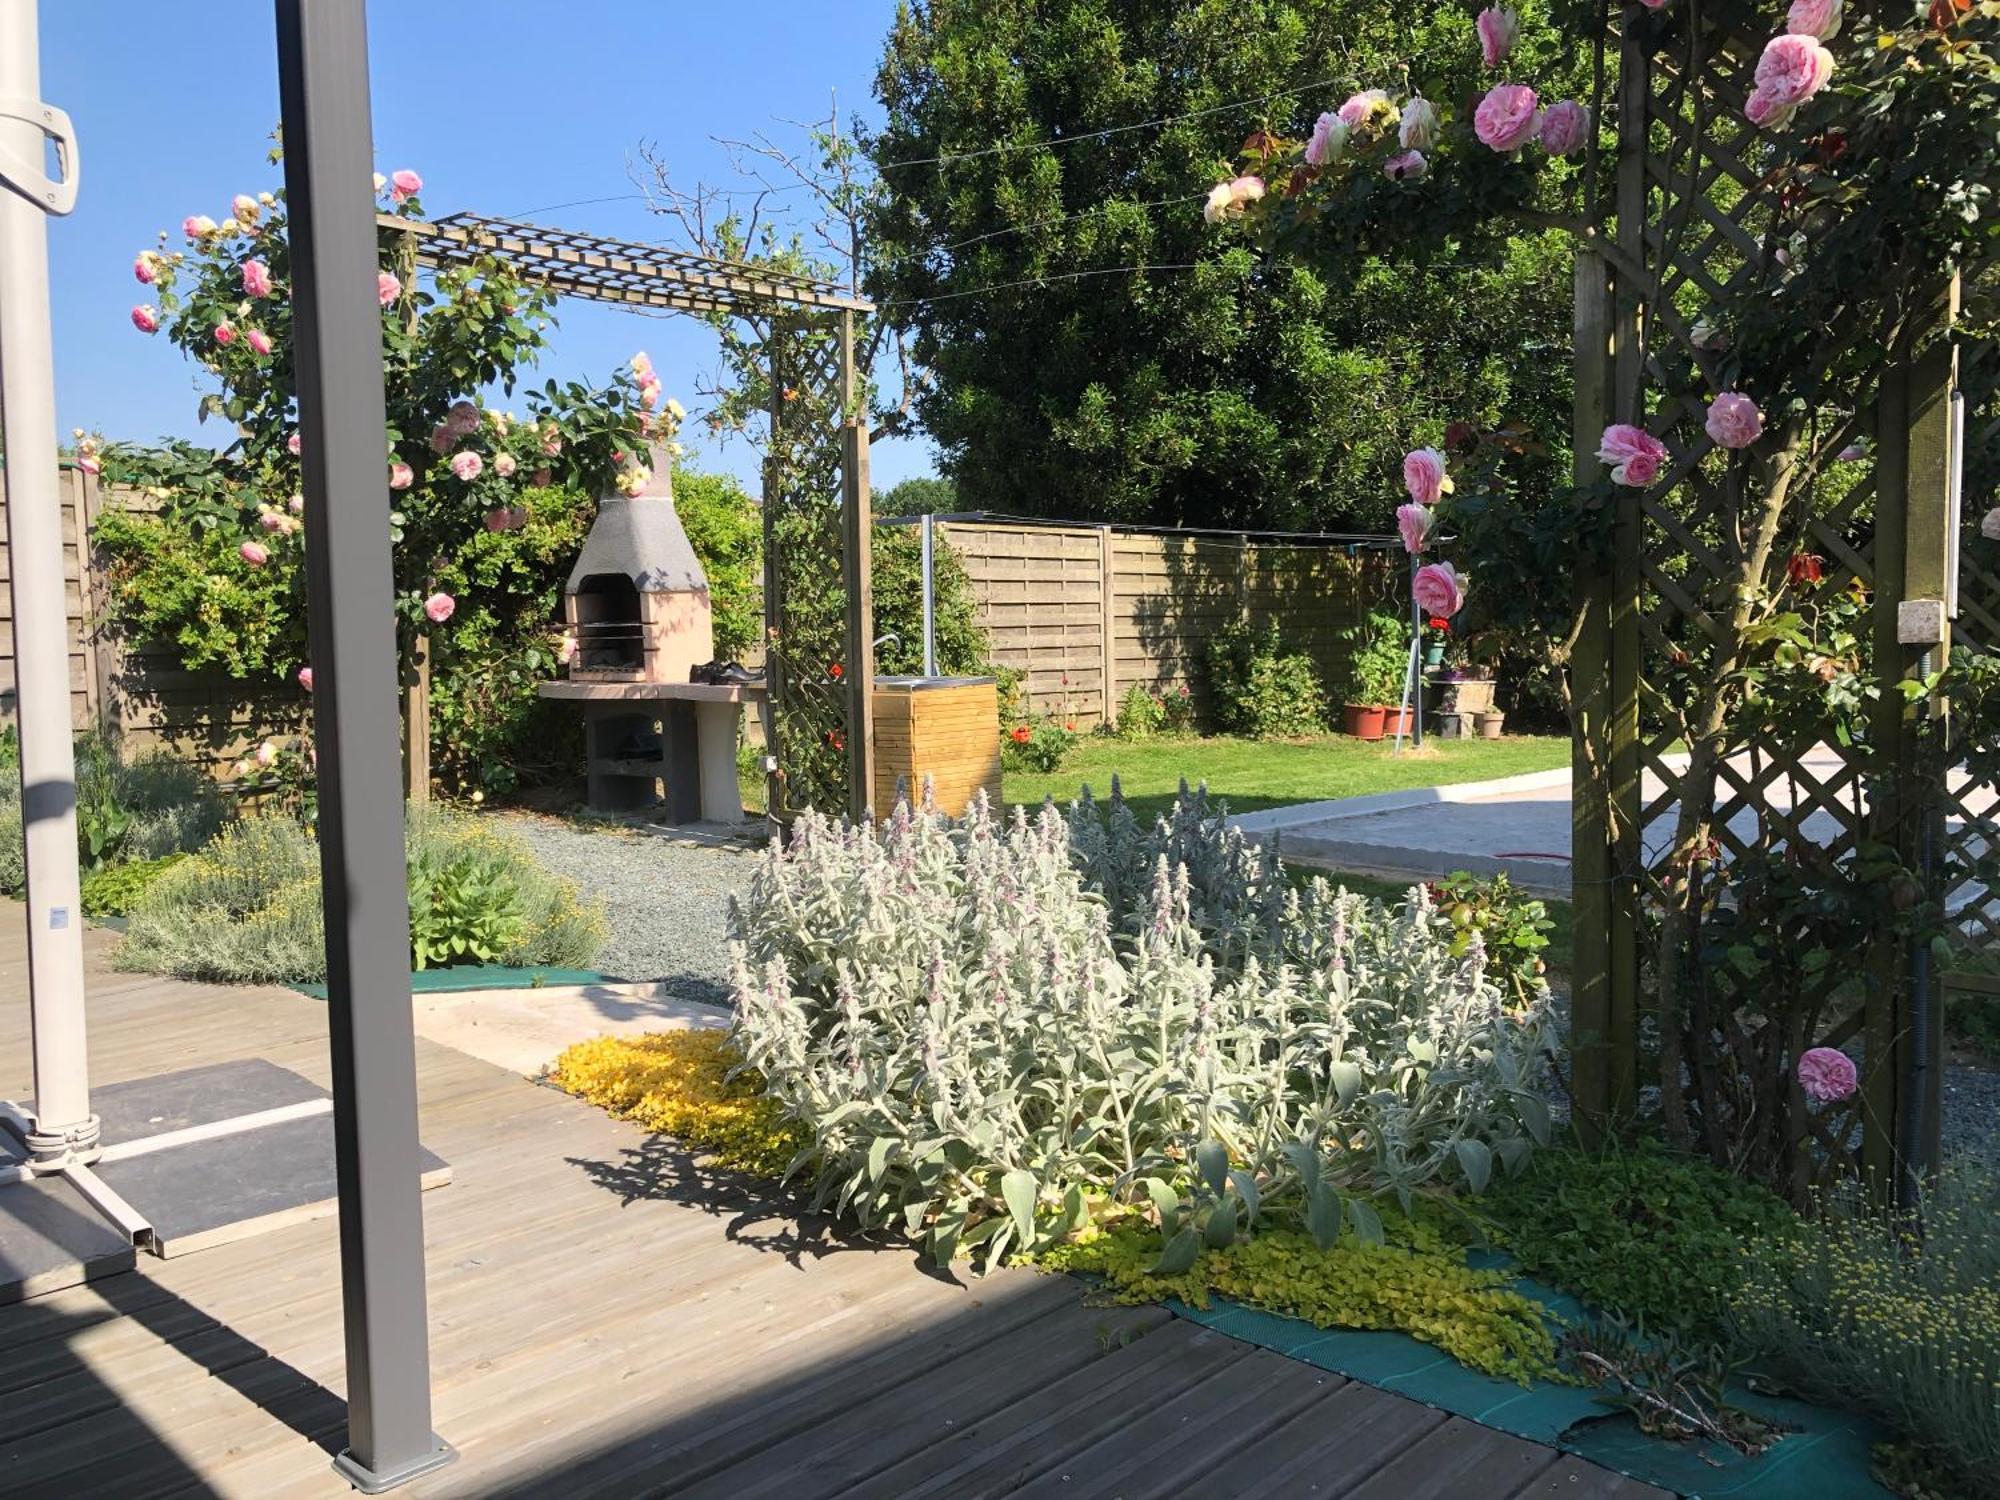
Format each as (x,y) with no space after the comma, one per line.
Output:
(995,1032)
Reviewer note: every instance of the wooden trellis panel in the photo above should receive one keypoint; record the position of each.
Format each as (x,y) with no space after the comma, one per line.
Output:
(1694,216)
(1972,807)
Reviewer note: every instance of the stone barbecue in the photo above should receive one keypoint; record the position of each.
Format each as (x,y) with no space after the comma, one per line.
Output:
(637,600)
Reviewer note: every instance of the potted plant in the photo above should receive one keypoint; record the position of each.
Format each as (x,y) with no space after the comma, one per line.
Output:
(1375,676)
(1490,723)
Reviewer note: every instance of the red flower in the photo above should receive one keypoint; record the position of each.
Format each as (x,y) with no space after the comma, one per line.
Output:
(1022,734)
(1805,568)
(834,670)
(836,739)
(1439,622)
(1071,726)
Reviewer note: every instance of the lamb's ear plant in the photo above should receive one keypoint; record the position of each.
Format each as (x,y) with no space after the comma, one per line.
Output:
(998,1033)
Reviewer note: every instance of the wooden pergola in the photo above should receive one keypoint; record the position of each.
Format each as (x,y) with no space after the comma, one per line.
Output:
(658,278)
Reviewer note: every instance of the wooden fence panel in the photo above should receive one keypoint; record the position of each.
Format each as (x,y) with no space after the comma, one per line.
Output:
(1088,612)
(78,492)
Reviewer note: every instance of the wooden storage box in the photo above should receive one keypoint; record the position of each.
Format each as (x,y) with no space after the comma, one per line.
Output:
(947,728)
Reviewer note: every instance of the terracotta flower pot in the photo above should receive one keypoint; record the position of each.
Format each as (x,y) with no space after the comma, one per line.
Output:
(1490,725)
(1396,721)
(1363,721)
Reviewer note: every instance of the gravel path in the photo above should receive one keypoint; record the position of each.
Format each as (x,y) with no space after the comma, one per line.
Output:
(664,899)
(1971,1111)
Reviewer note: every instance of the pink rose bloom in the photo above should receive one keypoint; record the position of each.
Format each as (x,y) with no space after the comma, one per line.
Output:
(468,465)
(293,445)
(1498,31)
(296,505)
(142,268)
(649,394)
(439,607)
(258,340)
(87,461)
(271,521)
(540,478)
(1438,590)
(565,648)
(401,476)
(1636,456)
(1827,1074)
(224,335)
(1405,166)
(256,279)
(1733,420)
(503,465)
(387,288)
(1792,69)
(506,518)
(1852,453)
(243,208)
(306,678)
(1654,4)
(1328,140)
(463,417)
(1762,109)
(1818,19)
(1506,118)
(1420,125)
(404,184)
(194,226)
(1358,107)
(442,437)
(1414,521)
(552,445)
(1565,128)
(1424,476)
(146,319)
(253,554)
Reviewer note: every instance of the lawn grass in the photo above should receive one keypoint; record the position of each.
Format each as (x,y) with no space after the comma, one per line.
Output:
(1254,774)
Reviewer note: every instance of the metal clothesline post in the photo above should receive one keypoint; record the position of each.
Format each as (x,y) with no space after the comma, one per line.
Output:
(62,1129)
(329,160)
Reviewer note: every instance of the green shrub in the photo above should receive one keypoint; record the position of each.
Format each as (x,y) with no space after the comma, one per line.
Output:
(962,648)
(988,1027)
(114,890)
(140,809)
(1861,1310)
(1638,1234)
(1040,744)
(247,907)
(1379,664)
(1512,928)
(1141,715)
(1261,690)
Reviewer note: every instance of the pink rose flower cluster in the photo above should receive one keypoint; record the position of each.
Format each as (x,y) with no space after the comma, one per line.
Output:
(1827,1075)
(1510,116)
(1438,588)
(1733,420)
(1793,67)
(1635,455)
(1229,200)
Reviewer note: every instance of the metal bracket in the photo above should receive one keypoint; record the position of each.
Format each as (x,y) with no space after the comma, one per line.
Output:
(51,196)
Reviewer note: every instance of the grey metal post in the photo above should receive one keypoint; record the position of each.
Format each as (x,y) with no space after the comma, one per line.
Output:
(930,595)
(63,1124)
(323,91)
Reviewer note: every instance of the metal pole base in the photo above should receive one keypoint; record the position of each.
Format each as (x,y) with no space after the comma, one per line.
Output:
(374,1482)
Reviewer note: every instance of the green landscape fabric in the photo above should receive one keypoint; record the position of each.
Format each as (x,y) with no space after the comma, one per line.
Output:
(481,977)
(1826,1456)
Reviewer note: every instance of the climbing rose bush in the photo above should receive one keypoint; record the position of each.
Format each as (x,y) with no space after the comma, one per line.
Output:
(214,564)
(994,1033)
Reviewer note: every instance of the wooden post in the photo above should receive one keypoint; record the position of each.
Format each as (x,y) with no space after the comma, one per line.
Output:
(1107,626)
(1913,466)
(1592,870)
(1622,761)
(857,529)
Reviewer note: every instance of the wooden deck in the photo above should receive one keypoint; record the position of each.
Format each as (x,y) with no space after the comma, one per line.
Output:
(607,1322)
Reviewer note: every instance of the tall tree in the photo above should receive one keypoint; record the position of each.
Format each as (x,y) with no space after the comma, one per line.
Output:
(1032,152)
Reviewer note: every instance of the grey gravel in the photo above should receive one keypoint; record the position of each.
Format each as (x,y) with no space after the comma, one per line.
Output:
(1971,1112)
(664,898)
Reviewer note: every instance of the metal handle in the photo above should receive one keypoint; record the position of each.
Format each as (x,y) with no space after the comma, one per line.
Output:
(50,195)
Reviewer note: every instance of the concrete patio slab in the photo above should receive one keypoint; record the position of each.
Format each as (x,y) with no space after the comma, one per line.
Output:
(523,1031)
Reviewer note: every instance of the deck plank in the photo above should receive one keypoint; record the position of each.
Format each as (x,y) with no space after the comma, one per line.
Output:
(608,1319)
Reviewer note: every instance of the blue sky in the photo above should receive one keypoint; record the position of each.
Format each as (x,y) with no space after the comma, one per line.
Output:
(503,106)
